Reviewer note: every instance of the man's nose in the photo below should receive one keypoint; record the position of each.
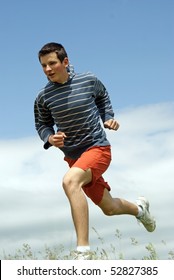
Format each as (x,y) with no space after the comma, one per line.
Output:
(47,68)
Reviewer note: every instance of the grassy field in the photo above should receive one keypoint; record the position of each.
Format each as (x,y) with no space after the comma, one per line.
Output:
(58,252)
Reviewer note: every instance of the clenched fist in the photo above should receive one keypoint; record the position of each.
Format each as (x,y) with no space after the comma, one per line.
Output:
(57,139)
(111,124)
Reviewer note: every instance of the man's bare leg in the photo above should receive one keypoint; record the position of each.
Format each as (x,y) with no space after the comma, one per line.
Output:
(73,181)
(117,206)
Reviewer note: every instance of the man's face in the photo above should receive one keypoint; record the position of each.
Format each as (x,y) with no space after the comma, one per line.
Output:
(54,69)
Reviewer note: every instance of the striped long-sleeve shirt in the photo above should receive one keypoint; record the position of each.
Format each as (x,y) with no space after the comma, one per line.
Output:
(75,108)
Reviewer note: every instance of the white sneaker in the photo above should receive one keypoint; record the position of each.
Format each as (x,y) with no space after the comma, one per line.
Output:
(76,255)
(146,219)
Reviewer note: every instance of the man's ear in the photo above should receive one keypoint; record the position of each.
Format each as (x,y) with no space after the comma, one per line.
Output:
(66,61)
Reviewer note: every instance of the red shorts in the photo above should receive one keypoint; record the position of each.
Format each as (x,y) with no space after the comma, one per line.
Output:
(98,160)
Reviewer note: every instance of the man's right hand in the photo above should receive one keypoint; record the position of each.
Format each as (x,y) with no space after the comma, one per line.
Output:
(57,140)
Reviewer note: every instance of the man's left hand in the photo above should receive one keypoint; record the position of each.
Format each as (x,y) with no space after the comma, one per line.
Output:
(111,124)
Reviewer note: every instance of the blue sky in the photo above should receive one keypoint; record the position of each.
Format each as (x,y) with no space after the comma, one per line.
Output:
(129,45)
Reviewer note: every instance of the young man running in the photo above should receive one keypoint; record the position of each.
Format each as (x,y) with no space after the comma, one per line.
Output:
(76,104)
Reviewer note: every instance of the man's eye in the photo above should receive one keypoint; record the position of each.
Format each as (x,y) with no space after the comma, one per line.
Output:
(52,63)
(49,64)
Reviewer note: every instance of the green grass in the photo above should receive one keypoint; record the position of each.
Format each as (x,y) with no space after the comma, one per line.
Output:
(58,252)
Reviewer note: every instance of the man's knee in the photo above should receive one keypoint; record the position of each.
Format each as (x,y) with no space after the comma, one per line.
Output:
(69,184)
(108,211)
(107,204)
(76,178)
(66,181)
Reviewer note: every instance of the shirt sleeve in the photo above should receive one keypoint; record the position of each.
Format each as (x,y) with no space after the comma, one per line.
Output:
(44,122)
(103,101)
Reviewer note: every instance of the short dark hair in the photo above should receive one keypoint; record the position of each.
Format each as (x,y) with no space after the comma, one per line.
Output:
(53,47)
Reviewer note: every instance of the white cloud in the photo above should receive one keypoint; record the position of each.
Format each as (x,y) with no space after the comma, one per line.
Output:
(35,210)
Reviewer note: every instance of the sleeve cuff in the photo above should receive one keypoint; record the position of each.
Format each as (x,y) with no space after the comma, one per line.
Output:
(47,145)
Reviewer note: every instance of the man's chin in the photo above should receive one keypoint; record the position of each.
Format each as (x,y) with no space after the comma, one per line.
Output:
(53,80)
